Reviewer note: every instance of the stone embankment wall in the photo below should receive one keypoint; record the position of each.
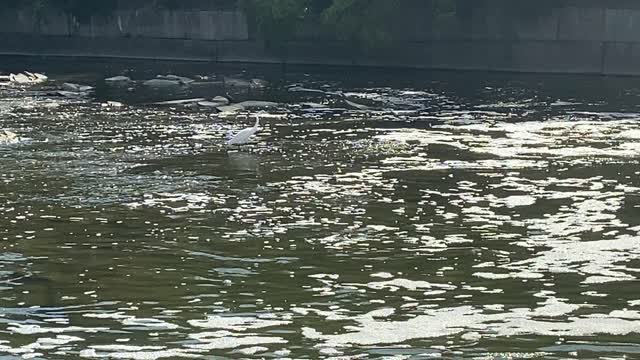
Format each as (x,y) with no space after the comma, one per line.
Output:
(572,36)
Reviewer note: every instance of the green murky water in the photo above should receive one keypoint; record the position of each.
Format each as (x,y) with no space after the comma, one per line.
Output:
(456,215)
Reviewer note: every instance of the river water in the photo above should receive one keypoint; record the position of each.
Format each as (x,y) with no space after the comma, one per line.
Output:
(457,215)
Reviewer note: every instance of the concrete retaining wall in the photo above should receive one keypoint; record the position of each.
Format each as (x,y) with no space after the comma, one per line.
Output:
(585,36)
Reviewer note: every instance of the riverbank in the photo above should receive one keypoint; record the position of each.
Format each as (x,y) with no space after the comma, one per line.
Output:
(585,37)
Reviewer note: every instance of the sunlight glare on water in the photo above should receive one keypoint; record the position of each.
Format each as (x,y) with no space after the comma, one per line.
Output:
(421,217)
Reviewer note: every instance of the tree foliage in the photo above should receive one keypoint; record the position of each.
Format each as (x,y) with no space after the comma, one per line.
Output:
(362,21)
(277,19)
(366,23)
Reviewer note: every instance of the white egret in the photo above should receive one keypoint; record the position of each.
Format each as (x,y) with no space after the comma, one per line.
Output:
(242,137)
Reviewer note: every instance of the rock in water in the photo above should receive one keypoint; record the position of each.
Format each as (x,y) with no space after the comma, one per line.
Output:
(8,137)
(112,104)
(27,78)
(41,77)
(215,102)
(20,79)
(36,78)
(221,99)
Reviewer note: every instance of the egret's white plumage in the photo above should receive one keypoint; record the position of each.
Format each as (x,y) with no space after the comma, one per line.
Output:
(242,137)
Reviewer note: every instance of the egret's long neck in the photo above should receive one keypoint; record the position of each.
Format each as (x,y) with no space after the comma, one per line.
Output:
(257,122)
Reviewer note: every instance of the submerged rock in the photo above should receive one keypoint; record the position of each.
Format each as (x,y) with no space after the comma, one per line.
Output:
(76,87)
(243,83)
(230,108)
(258,104)
(216,102)
(71,94)
(313,105)
(183,79)
(179,102)
(306,90)
(356,105)
(246,105)
(209,104)
(163,83)
(233,82)
(118,81)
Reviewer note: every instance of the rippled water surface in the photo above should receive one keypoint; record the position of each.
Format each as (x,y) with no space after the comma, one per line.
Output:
(443,215)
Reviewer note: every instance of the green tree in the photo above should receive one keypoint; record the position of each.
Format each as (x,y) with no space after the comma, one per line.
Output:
(362,21)
(277,20)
